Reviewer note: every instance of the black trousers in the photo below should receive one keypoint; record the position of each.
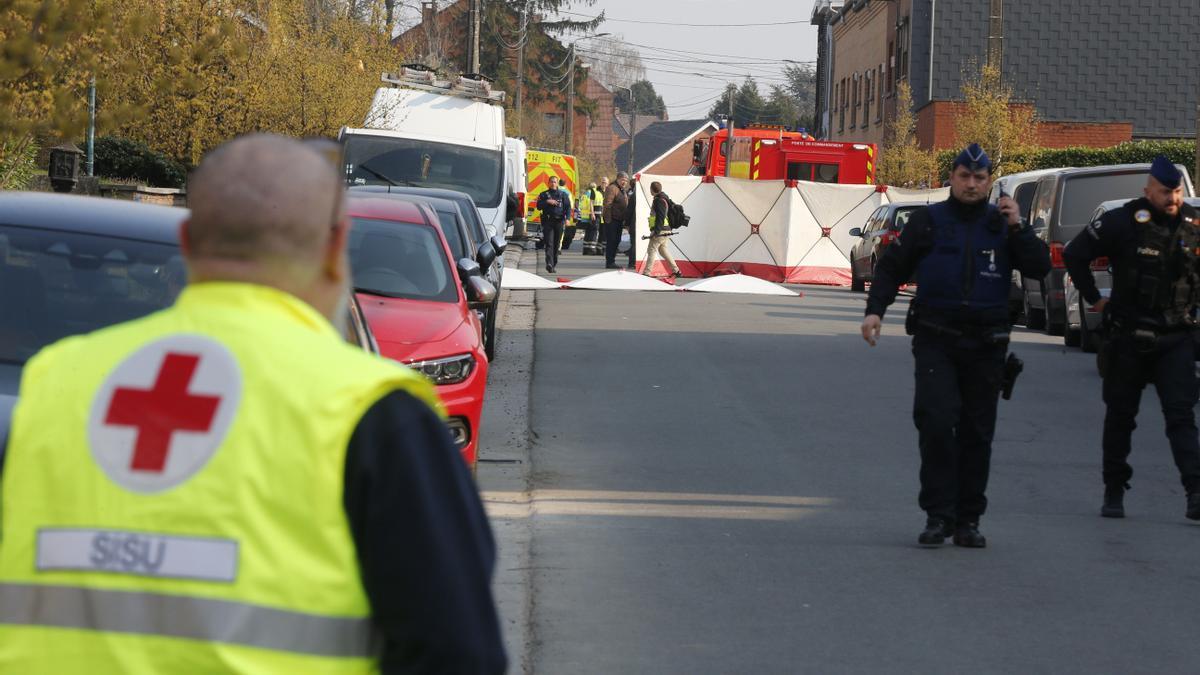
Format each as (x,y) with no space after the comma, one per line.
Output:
(957,389)
(1170,365)
(613,242)
(552,234)
(591,230)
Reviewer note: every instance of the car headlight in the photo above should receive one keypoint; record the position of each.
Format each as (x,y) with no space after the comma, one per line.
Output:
(450,370)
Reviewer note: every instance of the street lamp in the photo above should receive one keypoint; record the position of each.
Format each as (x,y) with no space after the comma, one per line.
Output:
(570,125)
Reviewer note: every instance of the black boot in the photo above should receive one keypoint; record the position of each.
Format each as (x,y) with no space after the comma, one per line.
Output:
(1114,501)
(967,535)
(936,531)
(1193,506)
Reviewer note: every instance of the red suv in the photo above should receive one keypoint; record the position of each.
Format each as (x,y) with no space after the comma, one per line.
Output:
(421,304)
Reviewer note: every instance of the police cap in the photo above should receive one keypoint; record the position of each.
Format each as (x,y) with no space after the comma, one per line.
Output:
(1165,172)
(974,158)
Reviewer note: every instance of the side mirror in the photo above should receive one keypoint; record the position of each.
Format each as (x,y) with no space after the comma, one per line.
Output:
(856,232)
(480,292)
(467,269)
(486,255)
(697,152)
(499,243)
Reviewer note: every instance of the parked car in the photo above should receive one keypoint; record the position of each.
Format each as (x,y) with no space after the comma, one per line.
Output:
(71,265)
(882,228)
(1083,324)
(455,217)
(1021,187)
(1062,205)
(420,303)
(468,227)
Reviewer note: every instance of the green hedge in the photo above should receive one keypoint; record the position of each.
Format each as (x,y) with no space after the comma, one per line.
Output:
(131,160)
(1133,152)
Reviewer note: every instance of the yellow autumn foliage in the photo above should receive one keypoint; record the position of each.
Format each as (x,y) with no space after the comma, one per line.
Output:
(185,75)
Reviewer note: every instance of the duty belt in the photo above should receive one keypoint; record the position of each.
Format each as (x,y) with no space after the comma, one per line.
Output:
(990,335)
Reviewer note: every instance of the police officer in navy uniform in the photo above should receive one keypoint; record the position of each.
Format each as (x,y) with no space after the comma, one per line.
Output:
(962,252)
(1153,246)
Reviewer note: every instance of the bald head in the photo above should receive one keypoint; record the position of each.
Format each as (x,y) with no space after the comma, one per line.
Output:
(263,198)
(270,210)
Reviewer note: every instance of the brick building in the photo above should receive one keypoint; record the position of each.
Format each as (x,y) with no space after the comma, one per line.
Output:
(1096,73)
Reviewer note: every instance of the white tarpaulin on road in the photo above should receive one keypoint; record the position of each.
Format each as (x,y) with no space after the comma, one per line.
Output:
(737,283)
(780,231)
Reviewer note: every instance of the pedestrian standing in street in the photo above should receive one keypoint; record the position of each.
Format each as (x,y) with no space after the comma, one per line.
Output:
(555,206)
(660,228)
(616,202)
(587,218)
(1153,246)
(631,222)
(598,217)
(962,252)
(227,485)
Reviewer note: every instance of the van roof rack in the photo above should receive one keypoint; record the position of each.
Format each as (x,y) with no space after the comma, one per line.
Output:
(421,77)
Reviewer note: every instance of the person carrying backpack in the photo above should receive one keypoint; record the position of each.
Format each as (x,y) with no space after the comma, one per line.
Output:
(660,227)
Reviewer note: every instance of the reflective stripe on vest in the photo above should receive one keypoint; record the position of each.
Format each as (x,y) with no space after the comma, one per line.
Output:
(182,616)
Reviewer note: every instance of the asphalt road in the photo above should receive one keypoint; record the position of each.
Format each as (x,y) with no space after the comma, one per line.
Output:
(727,484)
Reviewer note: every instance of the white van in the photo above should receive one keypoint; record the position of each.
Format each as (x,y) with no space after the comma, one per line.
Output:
(516,170)
(426,132)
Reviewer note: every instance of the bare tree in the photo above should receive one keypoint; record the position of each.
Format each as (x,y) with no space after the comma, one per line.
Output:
(613,61)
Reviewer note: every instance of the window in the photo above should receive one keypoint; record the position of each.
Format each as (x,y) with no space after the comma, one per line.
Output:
(903,43)
(891,64)
(879,92)
(842,106)
(820,173)
(856,101)
(868,96)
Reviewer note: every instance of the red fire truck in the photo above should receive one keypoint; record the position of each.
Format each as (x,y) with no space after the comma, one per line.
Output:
(763,152)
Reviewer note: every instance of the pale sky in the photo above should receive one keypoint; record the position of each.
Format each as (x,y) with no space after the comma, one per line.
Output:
(688,95)
(760,49)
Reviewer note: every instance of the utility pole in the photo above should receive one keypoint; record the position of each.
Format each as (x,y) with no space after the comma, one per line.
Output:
(473,37)
(1196,173)
(521,66)
(632,131)
(729,128)
(570,119)
(91,143)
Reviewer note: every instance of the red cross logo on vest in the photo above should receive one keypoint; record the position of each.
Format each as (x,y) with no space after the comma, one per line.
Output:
(159,412)
(162,413)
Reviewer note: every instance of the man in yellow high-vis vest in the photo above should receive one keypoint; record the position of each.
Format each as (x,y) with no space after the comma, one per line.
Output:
(226,485)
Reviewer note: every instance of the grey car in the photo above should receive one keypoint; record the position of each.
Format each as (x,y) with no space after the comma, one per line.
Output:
(71,265)
(1062,205)
(882,228)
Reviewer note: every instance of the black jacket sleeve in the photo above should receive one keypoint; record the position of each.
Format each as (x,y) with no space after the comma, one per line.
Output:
(541,200)
(424,545)
(899,261)
(1029,255)
(1100,238)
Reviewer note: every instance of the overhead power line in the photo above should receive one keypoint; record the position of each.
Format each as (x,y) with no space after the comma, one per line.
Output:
(693,25)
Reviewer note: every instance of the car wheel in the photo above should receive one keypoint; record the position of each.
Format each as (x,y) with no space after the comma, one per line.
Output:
(1089,340)
(1035,319)
(856,284)
(1059,326)
(1071,338)
(489,333)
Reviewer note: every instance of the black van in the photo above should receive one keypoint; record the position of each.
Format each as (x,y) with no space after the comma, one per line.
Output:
(1062,206)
